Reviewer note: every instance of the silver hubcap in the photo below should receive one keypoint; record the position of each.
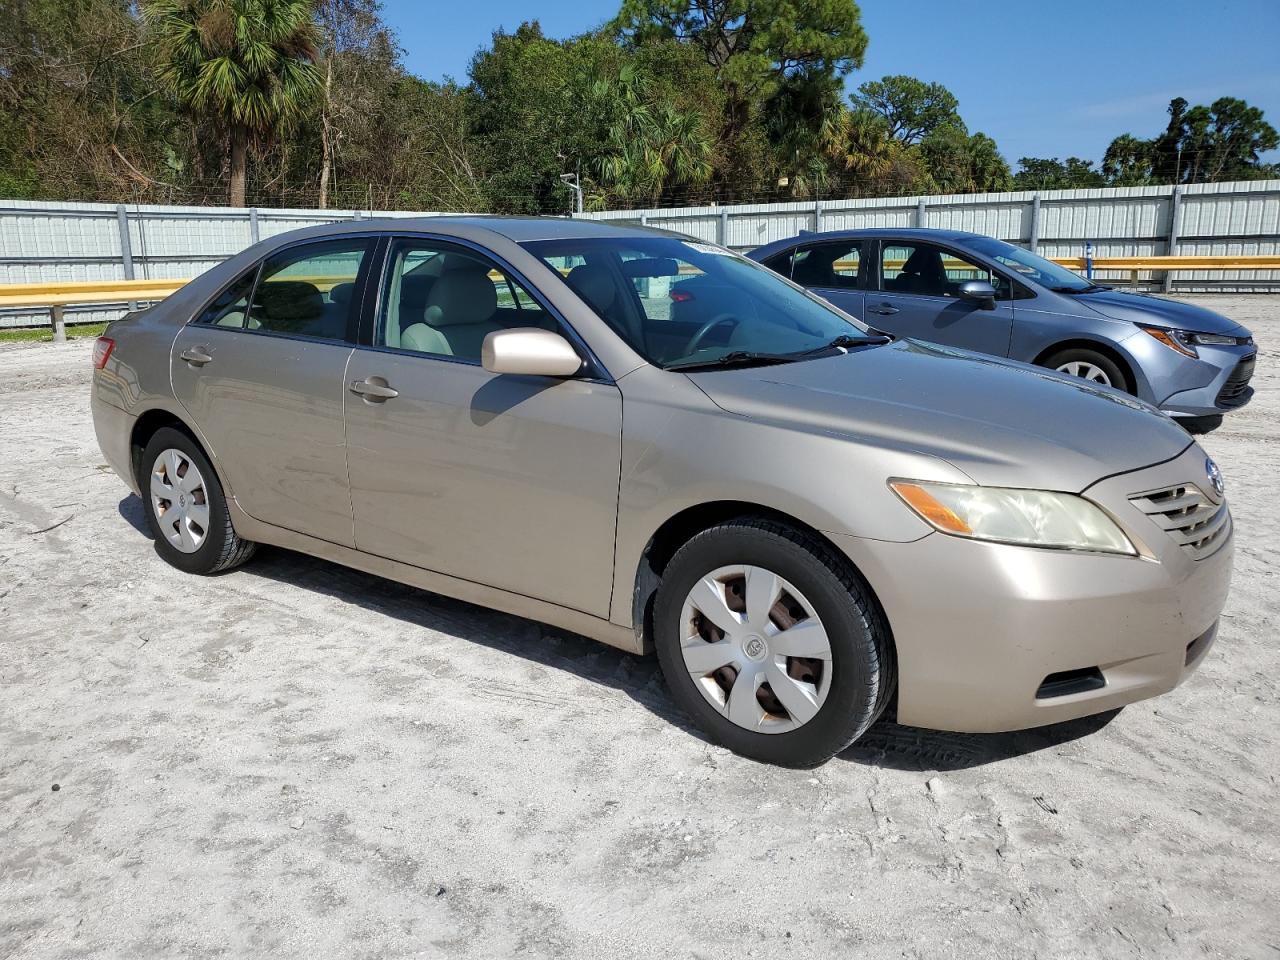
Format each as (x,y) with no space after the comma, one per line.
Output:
(179,500)
(755,649)
(1086,371)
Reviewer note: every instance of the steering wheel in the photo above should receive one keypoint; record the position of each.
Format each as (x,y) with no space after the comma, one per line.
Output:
(720,319)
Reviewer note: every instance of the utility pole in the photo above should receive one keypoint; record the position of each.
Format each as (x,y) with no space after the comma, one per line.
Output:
(570,180)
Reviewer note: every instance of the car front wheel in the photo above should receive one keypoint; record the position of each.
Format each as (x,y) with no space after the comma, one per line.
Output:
(772,643)
(1089,365)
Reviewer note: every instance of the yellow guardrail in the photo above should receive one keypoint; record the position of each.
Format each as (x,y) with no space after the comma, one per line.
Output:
(59,294)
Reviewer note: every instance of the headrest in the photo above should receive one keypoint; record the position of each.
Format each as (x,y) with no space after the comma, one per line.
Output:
(341,293)
(924,262)
(413,293)
(594,284)
(289,300)
(461,297)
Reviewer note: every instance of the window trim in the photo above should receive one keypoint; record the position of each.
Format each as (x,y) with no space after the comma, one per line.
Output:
(861,282)
(371,239)
(593,370)
(971,256)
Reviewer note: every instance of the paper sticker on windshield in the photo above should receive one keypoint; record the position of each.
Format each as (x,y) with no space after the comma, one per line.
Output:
(708,248)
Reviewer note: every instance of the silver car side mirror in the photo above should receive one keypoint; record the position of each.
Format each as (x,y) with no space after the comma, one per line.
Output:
(980,293)
(529,351)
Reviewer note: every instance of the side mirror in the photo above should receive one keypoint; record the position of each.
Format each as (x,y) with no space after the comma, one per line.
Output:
(980,293)
(529,351)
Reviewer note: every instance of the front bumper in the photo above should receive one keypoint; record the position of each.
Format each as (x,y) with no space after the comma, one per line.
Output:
(980,627)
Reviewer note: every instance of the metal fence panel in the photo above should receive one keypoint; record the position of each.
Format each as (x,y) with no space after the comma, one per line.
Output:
(49,241)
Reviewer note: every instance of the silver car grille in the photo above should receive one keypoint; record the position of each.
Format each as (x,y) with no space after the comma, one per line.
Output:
(1184,512)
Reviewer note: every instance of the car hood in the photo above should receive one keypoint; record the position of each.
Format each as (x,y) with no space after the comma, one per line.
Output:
(1001,423)
(1159,312)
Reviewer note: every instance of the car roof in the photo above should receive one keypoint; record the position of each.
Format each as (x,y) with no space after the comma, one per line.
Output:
(514,228)
(897,233)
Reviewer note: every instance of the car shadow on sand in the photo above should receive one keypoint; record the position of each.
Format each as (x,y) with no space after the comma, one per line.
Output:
(886,744)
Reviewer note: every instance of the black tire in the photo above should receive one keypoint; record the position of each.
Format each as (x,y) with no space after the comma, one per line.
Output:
(863,666)
(1117,376)
(222,549)
(1199,425)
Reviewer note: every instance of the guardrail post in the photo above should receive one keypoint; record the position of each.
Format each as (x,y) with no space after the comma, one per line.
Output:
(126,247)
(56,321)
(817,215)
(1175,213)
(254,234)
(1035,223)
(723,232)
(644,219)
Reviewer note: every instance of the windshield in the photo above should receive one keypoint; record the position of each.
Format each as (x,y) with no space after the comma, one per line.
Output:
(680,302)
(1029,266)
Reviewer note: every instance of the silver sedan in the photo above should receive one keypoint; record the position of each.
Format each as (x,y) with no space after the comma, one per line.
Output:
(662,445)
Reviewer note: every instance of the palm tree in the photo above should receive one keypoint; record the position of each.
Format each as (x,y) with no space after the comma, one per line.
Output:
(247,64)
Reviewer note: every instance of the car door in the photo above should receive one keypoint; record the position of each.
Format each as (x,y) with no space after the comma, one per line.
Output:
(833,269)
(261,373)
(508,481)
(918,296)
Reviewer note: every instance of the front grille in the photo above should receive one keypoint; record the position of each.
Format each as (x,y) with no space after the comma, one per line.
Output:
(1184,512)
(1236,390)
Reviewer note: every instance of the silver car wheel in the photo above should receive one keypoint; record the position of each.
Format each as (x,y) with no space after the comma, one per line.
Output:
(1086,371)
(179,500)
(756,649)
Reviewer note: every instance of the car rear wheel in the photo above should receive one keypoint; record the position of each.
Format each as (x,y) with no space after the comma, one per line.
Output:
(772,643)
(186,510)
(1090,365)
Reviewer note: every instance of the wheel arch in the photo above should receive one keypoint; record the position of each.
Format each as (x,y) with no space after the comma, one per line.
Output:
(1108,350)
(156,418)
(682,526)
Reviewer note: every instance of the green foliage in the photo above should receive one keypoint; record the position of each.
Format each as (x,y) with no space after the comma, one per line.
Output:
(246,64)
(1038,173)
(307,102)
(912,108)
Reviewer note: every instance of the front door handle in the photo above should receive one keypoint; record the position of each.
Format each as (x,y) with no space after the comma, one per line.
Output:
(375,390)
(195,356)
(885,309)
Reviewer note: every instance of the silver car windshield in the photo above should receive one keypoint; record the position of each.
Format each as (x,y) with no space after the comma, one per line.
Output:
(1030,266)
(681,302)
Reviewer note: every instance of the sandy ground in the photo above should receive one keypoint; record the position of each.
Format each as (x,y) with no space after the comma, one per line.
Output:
(295,760)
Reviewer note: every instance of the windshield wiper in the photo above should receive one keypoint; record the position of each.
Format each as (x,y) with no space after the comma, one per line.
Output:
(736,358)
(851,340)
(1091,288)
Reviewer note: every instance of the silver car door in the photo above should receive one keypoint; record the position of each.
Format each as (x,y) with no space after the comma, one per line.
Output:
(508,481)
(261,374)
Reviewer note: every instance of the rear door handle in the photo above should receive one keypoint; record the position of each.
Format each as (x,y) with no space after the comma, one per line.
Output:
(195,356)
(374,391)
(885,309)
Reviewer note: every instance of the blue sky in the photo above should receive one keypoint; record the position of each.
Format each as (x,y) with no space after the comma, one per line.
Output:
(1045,79)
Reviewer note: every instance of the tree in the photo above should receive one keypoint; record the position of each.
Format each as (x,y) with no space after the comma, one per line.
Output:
(960,163)
(912,108)
(1222,141)
(879,164)
(752,45)
(647,146)
(247,64)
(1038,173)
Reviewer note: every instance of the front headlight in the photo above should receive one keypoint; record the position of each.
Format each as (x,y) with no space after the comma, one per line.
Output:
(1186,341)
(1034,518)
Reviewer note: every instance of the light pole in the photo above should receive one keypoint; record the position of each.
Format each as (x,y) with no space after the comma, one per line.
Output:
(570,180)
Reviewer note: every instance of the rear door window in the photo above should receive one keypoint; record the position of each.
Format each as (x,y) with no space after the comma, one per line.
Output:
(229,308)
(310,291)
(834,265)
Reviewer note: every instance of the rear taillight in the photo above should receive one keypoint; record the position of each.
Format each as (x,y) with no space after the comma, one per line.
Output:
(102,348)
(680,296)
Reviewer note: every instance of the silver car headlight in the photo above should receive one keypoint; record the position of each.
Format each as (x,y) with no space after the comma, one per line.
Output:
(1034,518)
(1186,341)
